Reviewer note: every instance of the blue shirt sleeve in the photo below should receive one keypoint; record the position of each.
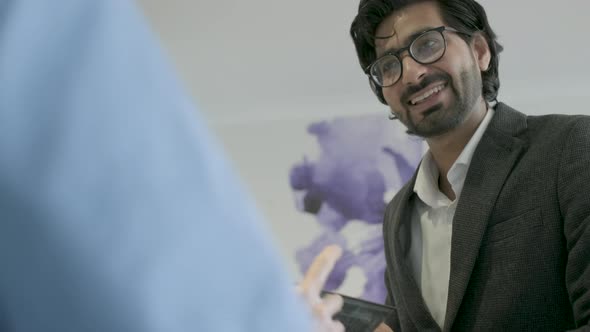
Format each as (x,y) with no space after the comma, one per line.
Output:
(118,212)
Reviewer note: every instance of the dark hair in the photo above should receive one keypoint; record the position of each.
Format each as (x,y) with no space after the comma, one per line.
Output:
(462,15)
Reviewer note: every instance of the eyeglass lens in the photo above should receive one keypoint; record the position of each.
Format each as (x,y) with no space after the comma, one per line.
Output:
(427,48)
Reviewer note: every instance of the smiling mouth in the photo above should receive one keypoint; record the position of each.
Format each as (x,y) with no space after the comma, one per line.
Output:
(427,94)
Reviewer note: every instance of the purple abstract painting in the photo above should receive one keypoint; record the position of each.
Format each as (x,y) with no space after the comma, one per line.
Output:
(363,162)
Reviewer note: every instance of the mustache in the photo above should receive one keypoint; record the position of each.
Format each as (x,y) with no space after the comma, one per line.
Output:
(412,89)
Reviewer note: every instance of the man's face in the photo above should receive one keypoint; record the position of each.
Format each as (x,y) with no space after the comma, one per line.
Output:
(457,73)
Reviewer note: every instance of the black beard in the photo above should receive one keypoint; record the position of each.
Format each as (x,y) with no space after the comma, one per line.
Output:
(437,120)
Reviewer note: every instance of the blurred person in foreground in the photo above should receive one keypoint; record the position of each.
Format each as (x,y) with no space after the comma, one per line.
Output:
(113,196)
(493,230)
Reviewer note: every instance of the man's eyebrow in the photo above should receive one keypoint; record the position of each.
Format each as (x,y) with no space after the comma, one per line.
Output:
(406,41)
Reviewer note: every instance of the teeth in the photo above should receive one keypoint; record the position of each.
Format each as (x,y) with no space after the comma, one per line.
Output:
(427,94)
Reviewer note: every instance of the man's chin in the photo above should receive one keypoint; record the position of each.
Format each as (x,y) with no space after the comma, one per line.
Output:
(427,115)
(432,126)
(432,110)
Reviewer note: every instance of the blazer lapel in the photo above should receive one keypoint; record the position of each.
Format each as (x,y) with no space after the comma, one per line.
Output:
(493,160)
(408,294)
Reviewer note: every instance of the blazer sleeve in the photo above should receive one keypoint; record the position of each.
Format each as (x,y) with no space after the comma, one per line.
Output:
(574,201)
(393,320)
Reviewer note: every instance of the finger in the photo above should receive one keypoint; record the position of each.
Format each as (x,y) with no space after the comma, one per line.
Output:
(331,326)
(319,270)
(383,328)
(327,307)
(332,304)
(337,326)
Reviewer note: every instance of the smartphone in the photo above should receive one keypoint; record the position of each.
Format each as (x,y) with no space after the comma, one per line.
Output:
(359,315)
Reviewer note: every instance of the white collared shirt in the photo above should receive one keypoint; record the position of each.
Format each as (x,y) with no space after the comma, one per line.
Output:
(432,220)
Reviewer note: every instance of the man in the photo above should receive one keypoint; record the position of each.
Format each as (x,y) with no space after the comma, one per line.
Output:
(113,195)
(493,230)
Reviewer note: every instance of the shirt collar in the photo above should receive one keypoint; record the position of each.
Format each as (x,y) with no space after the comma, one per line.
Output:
(426,186)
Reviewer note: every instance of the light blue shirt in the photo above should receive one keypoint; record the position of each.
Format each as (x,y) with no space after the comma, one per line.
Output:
(117,210)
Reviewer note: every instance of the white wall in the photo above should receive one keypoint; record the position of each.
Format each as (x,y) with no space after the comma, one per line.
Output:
(262,70)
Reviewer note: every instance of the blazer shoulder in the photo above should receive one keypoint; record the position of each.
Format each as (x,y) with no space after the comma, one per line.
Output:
(405,191)
(557,121)
(510,120)
(555,128)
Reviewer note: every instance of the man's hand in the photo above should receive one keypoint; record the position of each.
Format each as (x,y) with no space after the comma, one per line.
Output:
(323,309)
(383,328)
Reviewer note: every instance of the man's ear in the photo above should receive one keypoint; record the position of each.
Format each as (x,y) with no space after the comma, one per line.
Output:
(481,51)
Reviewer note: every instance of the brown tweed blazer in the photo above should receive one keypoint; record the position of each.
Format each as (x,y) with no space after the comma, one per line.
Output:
(520,252)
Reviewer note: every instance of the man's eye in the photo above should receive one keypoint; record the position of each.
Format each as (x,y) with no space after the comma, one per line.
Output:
(389,68)
(427,45)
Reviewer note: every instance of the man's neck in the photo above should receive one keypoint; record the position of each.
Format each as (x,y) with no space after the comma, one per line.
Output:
(446,148)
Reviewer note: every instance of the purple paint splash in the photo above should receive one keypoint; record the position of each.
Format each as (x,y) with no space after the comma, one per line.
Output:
(363,161)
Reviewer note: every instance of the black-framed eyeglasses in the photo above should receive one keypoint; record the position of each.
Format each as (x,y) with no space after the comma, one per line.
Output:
(426,48)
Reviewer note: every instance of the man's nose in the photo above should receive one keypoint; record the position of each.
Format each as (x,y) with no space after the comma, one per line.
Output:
(413,71)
